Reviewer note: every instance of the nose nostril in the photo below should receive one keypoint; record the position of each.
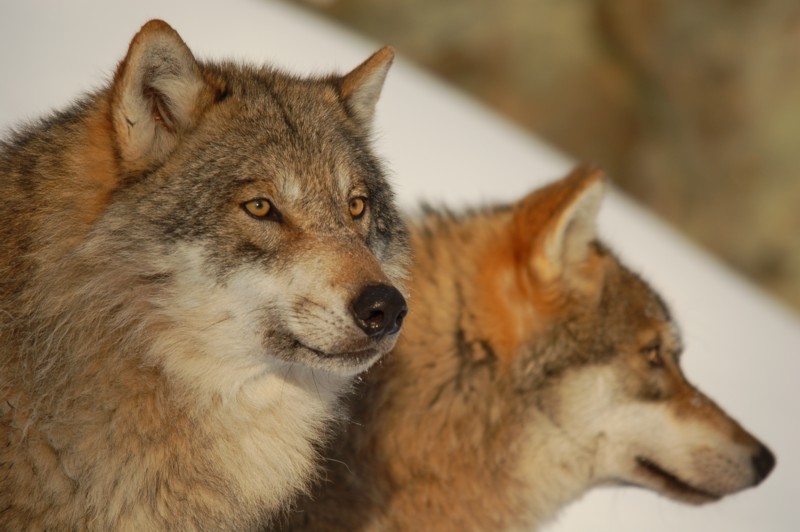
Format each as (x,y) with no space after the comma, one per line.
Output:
(763,463)
(375,320)
(400,317)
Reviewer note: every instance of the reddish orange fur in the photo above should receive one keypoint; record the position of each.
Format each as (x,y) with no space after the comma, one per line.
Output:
(521,355)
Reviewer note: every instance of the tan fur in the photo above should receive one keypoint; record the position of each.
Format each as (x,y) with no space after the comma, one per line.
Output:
(523,380)
(168,361)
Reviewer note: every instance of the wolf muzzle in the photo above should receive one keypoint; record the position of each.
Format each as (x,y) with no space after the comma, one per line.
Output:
(379,310)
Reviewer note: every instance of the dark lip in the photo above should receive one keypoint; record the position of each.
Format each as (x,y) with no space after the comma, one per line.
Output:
(674,483)
(356,357)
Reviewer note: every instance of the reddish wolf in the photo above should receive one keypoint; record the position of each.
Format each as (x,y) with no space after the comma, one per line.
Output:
(533,367)
(196,261)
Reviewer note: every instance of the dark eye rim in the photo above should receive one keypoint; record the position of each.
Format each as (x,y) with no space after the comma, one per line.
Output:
(652,353)
(365,201)
(273,214)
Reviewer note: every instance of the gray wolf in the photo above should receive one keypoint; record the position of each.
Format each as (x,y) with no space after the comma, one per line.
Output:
(534,366)
(196,261)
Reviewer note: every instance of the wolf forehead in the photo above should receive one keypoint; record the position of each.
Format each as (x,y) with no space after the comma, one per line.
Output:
(294,127)
(273,135)
(629,305)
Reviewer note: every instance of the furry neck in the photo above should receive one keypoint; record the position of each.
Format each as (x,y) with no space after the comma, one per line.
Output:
(483,432)
(556,469)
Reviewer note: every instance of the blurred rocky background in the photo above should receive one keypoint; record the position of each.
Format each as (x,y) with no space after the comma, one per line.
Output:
(692,106)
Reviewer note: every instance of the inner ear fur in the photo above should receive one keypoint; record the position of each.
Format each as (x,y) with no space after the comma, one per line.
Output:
(360,89)
(159,93)
(555,226)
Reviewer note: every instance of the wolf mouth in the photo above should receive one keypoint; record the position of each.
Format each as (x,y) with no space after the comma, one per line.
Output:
(355,357)
(674,483)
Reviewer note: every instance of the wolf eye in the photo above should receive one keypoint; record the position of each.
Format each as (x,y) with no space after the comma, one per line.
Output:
(358,207)
(652,352)
(260,209)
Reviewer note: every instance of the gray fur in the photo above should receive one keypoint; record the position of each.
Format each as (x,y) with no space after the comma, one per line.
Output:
(152,375)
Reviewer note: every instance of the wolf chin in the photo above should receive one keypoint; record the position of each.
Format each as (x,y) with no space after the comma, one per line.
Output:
(534,367)
(196,261)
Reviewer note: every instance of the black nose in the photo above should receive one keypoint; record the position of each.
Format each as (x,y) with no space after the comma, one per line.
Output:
(763,462)
(379,310)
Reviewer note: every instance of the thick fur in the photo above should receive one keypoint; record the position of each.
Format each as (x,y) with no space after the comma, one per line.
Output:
(168,360)
(533,367)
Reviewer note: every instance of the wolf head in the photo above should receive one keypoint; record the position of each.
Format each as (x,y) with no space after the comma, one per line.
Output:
(252,211)
(599,356)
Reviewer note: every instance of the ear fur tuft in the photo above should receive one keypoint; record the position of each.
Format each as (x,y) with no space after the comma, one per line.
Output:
(556,224)
(159,93)
(361,88)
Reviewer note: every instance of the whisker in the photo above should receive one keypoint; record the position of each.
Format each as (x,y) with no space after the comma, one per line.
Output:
(339,462)
(314,378)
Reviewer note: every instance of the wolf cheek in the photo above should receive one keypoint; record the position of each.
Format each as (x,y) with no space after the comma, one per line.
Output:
(694,453)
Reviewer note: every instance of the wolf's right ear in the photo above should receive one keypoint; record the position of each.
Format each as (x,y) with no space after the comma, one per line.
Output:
(158,94)
(360,89)
(555,225)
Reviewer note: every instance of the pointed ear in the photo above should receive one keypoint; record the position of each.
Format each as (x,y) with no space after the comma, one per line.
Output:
(556,224)
(360,89)
(158,94)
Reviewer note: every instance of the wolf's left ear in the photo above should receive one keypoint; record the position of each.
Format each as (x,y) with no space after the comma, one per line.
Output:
(158,94)
(557,223)
(360,89)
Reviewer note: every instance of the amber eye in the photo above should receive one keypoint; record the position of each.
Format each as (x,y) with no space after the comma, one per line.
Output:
(652,352)
(260,208)
(358,206)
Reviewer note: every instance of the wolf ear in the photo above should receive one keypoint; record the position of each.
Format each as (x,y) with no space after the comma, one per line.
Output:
(360,89)
(556,224)
(158,94)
